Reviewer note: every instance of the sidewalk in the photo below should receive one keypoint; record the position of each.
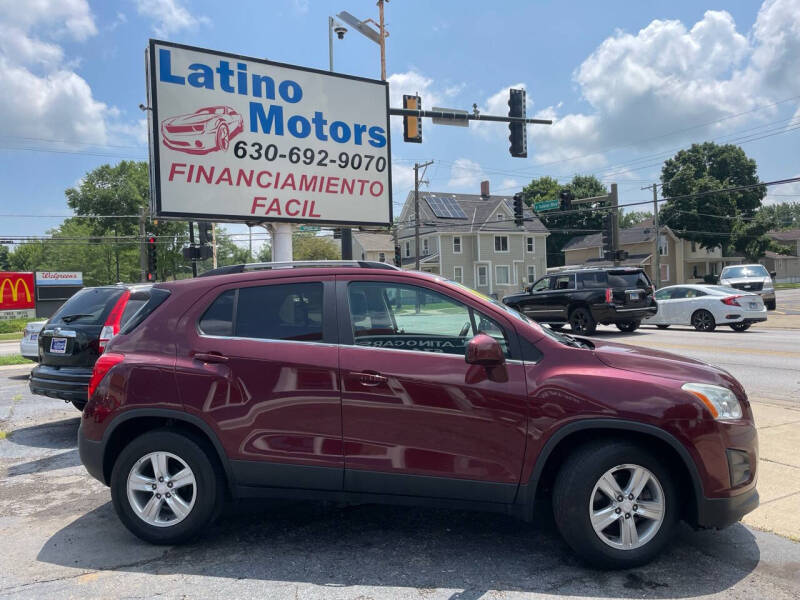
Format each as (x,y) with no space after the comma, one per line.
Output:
(778,470)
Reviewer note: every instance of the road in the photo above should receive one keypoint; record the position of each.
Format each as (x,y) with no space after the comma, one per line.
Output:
(9,347)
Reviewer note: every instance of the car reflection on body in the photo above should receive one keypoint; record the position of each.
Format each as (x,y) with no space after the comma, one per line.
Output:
(206,130)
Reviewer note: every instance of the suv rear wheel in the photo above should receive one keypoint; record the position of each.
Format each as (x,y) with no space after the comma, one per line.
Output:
(166,488)
(582,322)
(628,326)
(615,504)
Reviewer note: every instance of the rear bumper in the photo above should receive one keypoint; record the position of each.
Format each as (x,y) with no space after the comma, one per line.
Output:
(91,454)
(66,383)
(610,313)
(721,512)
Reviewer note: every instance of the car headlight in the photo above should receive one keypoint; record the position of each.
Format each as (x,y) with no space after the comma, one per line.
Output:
(719,400)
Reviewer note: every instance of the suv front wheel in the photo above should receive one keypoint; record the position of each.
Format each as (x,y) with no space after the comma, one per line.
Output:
(582,322)
(166,488)
(615,504)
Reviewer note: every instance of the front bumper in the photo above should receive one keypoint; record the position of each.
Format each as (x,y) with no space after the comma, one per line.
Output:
(66,383)
(721,512)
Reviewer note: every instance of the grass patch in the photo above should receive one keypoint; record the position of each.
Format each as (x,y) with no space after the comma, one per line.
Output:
(14,325)
(6,337)
(787,286)
(14,359)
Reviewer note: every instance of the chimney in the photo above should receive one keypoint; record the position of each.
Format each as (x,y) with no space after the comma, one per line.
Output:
(485,189)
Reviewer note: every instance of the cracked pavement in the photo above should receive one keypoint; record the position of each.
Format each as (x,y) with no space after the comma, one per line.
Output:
(61,538)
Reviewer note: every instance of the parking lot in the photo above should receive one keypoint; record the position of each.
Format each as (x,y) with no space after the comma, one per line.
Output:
(61,536)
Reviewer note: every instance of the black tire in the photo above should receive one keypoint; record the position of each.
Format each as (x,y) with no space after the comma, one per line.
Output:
(223,138)
(572,497)
(702,320)
(663,326)
(582,322)
(556,326)
(210,491)
(740,326)
(79,404)
(770,304)
(628,326)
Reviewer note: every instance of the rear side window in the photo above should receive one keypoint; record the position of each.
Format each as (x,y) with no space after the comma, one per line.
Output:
(629,281)
(290,311)
(155,298)
(90,306)
(595,279)
(564,282)
(218,319)
(136,301)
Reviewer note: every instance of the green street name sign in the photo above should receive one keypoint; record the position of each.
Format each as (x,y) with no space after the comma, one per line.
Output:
(546,205)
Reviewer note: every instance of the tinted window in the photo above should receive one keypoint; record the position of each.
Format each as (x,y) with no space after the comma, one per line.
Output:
(751,271)
(156,298)
(541,285)
(218,319)
(595,279)
(135,302)
(692,293)
(629,281)
(564,282)
(90,306)
(290,311)
(405,317)
(665,294)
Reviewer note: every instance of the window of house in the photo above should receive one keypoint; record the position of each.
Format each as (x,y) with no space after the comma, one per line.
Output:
(425,246)
(408,248)
(531,273)
(500,216)
(663,245)
(530,244)
(501,243)
(665,272)
(456,244)
(501,275)
(382,257)
(458,274)
(694,247)
(483,276)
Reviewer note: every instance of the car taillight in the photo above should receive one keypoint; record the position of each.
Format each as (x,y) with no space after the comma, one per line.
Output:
(101,368)
(111,326)
(609,295)
(731,300)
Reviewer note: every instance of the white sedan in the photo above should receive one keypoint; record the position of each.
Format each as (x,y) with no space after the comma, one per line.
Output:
(706,306)
(29,344)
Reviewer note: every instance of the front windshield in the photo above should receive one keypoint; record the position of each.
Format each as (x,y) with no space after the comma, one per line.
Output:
(749,271)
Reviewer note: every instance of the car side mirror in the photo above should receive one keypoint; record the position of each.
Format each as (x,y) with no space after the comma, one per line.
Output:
(484,350)
(773,274)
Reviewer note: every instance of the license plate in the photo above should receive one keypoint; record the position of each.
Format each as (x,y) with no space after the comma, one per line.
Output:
(634,295)
(58,345)
(34,337)
(754,305)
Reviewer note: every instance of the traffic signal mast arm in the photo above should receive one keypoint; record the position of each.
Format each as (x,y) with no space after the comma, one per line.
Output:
(460,116)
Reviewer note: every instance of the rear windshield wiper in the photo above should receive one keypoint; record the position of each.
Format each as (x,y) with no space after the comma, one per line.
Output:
(71,318)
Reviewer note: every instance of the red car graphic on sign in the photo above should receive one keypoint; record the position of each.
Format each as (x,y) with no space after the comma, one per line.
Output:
(205,130)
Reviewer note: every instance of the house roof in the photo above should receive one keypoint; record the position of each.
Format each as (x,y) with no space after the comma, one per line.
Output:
(633,260)
(374,242)
(633,235)
(771,254)
(480,214)
(788,235)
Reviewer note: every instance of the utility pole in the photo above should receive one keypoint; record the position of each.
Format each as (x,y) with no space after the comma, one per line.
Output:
(383,40)
(657,244)
(614,198)
(214,245)
(417,167)
(142,245)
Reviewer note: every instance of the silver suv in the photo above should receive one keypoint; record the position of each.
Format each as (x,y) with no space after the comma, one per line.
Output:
(751,278)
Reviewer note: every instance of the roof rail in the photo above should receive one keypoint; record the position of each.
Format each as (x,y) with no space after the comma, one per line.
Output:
(299,264)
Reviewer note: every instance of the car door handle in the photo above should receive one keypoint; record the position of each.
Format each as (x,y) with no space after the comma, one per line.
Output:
(371,378)
(210,357)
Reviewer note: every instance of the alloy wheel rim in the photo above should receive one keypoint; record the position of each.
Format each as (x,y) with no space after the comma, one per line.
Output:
(161,489)
(703,320)
(579,321)
(627,507)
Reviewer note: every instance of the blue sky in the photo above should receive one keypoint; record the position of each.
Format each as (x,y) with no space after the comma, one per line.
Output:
(628,83)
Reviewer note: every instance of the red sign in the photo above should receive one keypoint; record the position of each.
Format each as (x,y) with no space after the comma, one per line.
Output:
(16,291)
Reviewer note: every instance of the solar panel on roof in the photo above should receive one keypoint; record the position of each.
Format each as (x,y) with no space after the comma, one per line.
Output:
(445,208)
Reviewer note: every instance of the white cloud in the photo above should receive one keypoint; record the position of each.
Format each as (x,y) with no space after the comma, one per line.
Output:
(667,77)
(169,16)
(43,97)
(413,82)
(788,192)
(465,176)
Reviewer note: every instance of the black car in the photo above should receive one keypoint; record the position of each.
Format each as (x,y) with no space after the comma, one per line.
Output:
(585,297)
(72,340)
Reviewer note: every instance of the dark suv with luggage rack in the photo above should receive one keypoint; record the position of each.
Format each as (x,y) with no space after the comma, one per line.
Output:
(72,340)
(583,298)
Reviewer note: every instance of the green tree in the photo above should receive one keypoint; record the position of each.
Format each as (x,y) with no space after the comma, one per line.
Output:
(5,255)
(628,219)
(785,215)
(564,226)
(265,253)
(712,219)
(307,246)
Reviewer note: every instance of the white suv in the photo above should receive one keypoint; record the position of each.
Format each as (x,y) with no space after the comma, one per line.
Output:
(751,278)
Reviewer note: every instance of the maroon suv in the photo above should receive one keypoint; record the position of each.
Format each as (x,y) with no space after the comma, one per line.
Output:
(365,383)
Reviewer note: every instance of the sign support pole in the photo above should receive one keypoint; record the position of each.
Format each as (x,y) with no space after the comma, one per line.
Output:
(281,242)
(191,244)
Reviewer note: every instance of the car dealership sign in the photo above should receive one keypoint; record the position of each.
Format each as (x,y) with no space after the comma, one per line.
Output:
(244,139)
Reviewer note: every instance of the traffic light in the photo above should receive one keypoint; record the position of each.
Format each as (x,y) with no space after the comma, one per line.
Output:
(608,235)
(566,199)
(518,137)
(204,231)
(398,259)
(518,216)
(152,264)
(412,126)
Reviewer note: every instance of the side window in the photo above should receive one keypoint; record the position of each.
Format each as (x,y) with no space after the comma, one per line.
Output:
(542,285)
(593,279)
(679,293)
(564,282)
(218,318)
(490,327)
(663,294)
(291,311)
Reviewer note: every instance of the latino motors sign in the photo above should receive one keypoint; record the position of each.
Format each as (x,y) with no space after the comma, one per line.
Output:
(16,291)
(234,138)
